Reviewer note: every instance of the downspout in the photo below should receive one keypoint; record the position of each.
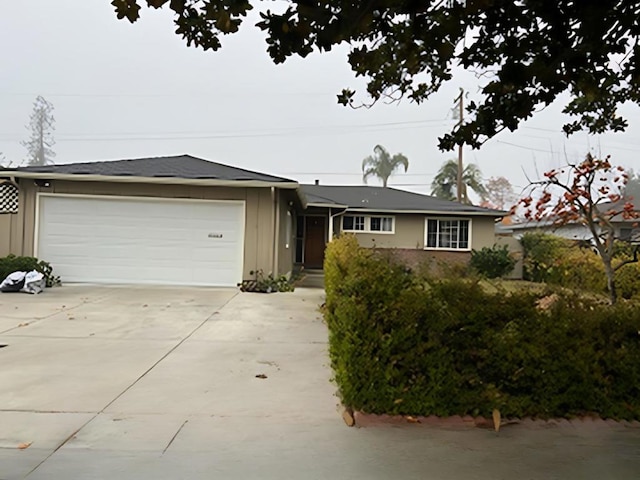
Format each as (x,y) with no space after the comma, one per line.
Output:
(331,217)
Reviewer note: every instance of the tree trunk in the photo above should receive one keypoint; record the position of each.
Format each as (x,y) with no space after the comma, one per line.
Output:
(384,182)
(611,284)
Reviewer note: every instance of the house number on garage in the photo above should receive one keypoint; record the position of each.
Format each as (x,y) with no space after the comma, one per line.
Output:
(215,235)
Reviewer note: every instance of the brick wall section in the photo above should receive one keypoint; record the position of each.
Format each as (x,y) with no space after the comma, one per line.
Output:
(433,258)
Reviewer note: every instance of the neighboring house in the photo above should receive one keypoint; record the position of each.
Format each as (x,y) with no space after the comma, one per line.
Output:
(418,227)
(627,230)
(184,220)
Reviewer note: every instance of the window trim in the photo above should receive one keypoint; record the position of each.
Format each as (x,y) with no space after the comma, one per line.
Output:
(367,224)
(446,219)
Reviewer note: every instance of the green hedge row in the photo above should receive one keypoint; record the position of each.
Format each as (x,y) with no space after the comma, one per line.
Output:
(401,344)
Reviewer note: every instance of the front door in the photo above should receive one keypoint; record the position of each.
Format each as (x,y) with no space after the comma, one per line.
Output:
(314,242)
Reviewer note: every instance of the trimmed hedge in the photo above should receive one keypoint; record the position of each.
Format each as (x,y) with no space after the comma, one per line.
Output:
(11,263)
(402,344)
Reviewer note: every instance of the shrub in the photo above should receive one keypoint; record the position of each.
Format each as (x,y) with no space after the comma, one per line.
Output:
(540,250)
(628,281)
(403,345)
(578,269)
(267,284)
(12,263)
(492,262)
(576,265)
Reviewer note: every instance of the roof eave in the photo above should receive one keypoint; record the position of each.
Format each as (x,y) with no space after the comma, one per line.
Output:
(75,177)
(489,213)
(326,205)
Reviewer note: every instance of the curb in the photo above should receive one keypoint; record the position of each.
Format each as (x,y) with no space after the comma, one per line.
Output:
(364,420)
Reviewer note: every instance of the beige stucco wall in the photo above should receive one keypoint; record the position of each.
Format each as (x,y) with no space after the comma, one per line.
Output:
(409,233)
(259,214)
(483,232)
(515,248)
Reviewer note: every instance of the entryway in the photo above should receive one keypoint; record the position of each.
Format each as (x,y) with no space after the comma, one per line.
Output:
(311,241)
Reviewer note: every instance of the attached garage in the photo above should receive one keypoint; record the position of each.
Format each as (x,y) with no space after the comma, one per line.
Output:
(141,240)
(162,221)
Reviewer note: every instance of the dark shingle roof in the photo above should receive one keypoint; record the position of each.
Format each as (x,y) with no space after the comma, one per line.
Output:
(180,166)
(387,199)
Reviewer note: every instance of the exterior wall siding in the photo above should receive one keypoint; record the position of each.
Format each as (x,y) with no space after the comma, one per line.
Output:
(286,236)
(259,213)
(5,234)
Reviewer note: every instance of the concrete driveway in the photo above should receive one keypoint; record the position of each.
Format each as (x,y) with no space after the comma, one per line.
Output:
(160,383)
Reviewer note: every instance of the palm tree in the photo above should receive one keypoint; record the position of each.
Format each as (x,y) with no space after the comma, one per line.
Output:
(382,165)
(444,184)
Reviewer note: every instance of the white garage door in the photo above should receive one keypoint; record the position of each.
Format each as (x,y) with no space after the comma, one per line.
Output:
(146,241)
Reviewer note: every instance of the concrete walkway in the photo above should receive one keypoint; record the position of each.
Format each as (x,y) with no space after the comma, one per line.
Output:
(165,383)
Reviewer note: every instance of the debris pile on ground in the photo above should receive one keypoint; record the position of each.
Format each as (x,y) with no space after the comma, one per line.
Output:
(27,282)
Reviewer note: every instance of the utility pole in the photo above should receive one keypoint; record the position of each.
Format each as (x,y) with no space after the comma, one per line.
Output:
(460,101)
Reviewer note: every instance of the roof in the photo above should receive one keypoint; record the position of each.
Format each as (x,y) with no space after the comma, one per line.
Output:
(604,207)
(185,167)
(385,199)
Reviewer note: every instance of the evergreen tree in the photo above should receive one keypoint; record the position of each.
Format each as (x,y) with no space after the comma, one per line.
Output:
(41,126)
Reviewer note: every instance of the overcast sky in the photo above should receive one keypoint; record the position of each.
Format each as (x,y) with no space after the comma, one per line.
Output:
(127,91)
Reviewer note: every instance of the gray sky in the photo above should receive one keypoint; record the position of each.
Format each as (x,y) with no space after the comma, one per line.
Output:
(126,91)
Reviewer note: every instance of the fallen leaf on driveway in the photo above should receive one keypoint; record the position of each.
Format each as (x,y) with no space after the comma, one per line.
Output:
(24,445)
(24,324)
(496,419)
(261,375)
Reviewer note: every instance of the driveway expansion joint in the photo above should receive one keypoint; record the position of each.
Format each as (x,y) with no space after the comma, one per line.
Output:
(146,372)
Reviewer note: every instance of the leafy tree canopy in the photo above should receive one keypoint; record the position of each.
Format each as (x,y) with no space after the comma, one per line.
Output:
(589,193)
(499,193)
(525,52)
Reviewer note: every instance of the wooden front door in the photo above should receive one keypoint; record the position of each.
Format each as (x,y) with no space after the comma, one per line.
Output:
(314,241)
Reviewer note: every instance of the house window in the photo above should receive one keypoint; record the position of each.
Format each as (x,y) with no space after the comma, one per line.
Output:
(448,234)
(381,224)
(353,224)
(367,223)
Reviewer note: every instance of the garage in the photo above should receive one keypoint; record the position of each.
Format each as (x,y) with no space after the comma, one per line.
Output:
(134,240)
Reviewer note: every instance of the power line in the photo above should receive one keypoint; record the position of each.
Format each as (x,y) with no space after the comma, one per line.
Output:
(523,146)
(287,131)
(161,95)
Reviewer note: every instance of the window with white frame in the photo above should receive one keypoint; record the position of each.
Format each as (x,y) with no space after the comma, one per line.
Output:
(448,234)
(367,223)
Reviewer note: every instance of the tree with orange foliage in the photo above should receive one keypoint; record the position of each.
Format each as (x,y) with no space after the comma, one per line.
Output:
(589,193)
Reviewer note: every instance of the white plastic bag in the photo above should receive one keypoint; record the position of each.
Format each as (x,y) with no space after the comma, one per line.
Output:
(34,282)
(13,283)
